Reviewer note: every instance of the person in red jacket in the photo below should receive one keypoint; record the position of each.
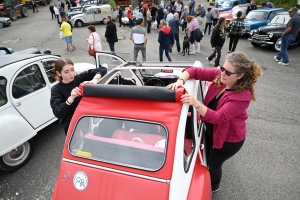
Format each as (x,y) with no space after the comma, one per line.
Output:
(129,16)
(224,110)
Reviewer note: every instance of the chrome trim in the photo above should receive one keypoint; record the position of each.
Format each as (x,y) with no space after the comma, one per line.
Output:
(262,42)
(118,171)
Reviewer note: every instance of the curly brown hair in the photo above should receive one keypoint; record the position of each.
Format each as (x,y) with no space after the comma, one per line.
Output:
(243,65)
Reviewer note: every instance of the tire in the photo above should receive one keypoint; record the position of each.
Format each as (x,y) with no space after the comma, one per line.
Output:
(1,25)
(16,158)
(256,44)
(24,12)
(79,23)
(12,15)
(277,45)
(104,21)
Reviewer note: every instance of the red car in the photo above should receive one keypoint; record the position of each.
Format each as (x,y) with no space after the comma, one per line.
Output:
(130,140)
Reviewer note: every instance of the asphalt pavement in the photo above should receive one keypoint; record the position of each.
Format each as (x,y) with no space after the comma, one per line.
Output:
(267,166)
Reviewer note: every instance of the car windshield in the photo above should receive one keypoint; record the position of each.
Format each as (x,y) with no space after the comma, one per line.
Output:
(261,15)
(280,19)
(227,3)
(125,142)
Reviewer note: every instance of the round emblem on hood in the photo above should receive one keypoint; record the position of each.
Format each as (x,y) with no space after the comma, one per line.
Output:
(80,180)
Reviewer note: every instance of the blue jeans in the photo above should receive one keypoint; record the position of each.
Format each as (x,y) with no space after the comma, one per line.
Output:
(191,10)
(112,47)
(161,51)
(286,41)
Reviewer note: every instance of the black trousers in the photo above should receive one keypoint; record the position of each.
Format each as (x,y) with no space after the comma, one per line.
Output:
(207,25)
(176,37)
(53,14)
(158,22)
(120,21)
(57,17)
(233,42)
(130,23)
(215,21)
(217,55)
(184,26)
(216,158)
(148,26)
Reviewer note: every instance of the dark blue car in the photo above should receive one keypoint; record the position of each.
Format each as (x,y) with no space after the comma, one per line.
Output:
(259,18)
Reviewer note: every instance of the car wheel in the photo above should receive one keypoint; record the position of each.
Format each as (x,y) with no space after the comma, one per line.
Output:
(12,15)
(277,45)
(104,21)
(1,25)
(256,44)
(79,23)
(24,12)
(17,157)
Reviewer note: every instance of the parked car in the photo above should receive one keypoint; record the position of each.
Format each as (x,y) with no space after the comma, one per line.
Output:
(140,142)
(26,78)
(229,4)
(76,10)
(93,14)
(271,33)
(259,18)
(4,21)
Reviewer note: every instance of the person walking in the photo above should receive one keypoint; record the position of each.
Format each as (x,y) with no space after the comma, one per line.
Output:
(237,26)
(67,32)
(120,15)
(224,109)
(252,6)
(144,10)
(183,18)
(215,14)
(159,15)
(139,37)
(153,14)
(111,35)
(169,16)
(192,7)
(51,8)
(208,21)
(288,36)
(166,40)
(217,41)
(129,16)
(195,34)
(174,24)
(56,11)
(94,41)
(65,95)
(149,20)
(178,7)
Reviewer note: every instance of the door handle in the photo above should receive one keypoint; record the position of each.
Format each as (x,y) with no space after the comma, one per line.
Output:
(18,104)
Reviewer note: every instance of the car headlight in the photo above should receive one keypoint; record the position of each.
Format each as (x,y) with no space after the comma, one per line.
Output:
(251,32)
(270,35)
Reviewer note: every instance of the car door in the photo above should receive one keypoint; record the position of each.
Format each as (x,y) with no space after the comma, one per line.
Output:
(30,94)
(97,14)
(89,15)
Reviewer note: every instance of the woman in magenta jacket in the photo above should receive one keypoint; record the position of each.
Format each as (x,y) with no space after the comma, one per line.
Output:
(224,108)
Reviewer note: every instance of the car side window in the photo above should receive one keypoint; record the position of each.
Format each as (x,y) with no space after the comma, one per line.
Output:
(89,11)
(3,96)
(27,81)
(49,69)
(97,10)
(189,140)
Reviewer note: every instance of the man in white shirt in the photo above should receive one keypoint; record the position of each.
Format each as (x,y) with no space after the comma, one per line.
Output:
(169,16)
(139,37)
(56,11)
(178,7)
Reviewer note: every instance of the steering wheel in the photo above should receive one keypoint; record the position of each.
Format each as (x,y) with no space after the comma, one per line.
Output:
(155,82)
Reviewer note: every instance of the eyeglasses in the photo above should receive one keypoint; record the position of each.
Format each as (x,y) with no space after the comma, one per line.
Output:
(228,73)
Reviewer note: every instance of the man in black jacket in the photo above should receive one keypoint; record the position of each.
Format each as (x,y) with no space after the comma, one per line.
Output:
(111,35)
(120,15)
(217,41)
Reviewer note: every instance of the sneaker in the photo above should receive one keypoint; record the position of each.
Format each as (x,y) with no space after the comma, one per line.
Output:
(68,51)
(215,189)
(275,58)
(178,52)
(211,62)
(285,64)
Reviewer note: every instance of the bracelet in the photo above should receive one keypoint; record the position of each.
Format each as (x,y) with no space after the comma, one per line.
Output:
(199,106)
(69,102)
(181,79)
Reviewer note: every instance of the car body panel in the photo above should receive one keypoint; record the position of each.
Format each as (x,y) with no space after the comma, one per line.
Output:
(5,20)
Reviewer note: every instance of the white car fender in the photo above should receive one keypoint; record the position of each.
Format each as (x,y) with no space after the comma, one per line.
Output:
(15,130)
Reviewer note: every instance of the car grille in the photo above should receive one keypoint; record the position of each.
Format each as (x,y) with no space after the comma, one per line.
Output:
(261,37)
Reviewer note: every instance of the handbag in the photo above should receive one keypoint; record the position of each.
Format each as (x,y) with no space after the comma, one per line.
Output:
(91,51)
(61,35)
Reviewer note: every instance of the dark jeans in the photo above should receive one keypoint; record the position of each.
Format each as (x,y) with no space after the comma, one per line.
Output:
(149,26)
(217,55)
(215,21)
(209,28)
(120,21)
(184,26)
(176,37)
(130,23)
(53,14)
(161,51)
(216,158)
(233,42)
(286,41)
(158,22)
(57,17)
(112,47)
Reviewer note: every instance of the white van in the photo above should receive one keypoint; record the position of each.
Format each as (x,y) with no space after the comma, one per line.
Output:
(93,14)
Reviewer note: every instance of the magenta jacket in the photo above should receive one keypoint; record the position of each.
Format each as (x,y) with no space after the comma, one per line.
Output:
(229,118)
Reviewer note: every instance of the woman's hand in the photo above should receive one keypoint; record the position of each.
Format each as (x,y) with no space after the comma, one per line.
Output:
(187,98)
(76,92)
(174,86)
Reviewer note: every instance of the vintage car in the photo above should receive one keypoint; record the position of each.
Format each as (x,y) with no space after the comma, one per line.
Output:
(76,10)
(93,14)
(4,21)
(271,34)
(229,4)
(132,138)
(259,18)
(26,78)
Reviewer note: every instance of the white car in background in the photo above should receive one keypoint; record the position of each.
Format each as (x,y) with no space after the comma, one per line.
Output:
(26,79)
